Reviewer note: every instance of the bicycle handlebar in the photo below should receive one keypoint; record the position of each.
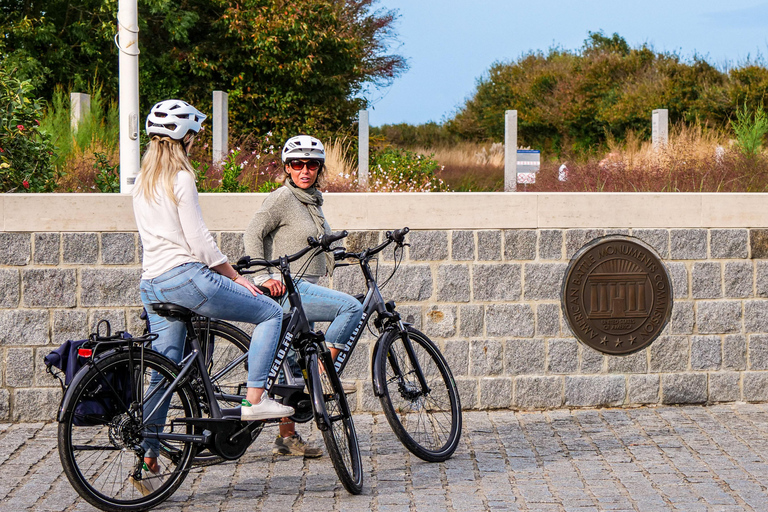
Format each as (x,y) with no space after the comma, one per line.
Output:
(324,243)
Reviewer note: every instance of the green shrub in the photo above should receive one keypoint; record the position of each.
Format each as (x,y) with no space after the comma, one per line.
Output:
(750,129)
(401,170)
(26,151)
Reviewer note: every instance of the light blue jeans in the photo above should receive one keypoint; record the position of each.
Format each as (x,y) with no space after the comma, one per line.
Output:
(196,287)
(322,304)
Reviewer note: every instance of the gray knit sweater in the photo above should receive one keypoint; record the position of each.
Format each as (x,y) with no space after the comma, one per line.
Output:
(281,227)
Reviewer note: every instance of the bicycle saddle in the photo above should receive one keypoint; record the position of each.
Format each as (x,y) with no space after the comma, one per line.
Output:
(174,310)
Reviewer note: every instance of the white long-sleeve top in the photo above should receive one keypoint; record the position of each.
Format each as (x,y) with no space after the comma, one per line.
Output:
(174,234)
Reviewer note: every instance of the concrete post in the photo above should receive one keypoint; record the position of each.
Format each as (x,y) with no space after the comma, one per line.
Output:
(220,127)
(80,105)
(510,151)
(660,128)
(128,44)
(362,151)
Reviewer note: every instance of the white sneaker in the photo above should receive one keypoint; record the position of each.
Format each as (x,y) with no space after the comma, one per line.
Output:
(149,483)
(266,409)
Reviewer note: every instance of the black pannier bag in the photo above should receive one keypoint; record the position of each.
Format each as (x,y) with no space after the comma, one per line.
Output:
(102,398)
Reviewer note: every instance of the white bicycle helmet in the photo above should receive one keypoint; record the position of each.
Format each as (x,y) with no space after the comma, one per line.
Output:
(174,118)
(303,146)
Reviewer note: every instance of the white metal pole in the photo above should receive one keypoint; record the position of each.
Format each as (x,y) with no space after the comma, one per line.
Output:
(362,151)
(128,44)
(510,151)
(220,127)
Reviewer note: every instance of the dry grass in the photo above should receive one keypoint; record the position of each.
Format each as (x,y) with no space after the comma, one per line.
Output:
(340,173)
(80,171)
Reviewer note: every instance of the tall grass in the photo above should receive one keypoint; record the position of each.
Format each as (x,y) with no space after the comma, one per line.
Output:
(75,153)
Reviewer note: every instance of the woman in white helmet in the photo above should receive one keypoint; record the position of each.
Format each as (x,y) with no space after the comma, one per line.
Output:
(183,265)
(281,226)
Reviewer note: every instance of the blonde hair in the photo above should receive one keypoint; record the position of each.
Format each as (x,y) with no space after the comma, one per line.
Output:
(164,158)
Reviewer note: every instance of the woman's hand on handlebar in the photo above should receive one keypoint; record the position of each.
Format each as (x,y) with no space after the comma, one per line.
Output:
(276,288)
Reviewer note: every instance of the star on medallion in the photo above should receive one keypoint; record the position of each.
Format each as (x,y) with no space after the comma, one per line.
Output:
(604,340)
(618,342)
(632,340)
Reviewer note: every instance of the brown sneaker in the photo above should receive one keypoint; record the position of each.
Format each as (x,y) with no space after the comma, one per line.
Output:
(295,445)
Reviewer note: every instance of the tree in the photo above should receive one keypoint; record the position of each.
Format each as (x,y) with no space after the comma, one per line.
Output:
(287,65)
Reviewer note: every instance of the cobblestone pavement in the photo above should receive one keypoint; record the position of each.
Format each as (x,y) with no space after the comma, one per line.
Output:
(666,458)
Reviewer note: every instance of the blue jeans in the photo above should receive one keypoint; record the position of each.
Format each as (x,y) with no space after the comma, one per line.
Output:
(322,304)
(196,287)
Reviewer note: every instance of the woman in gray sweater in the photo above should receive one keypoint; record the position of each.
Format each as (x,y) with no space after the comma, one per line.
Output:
(287,217)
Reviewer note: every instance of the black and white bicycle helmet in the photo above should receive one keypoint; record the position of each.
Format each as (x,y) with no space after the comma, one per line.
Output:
(303,146)
(174,119)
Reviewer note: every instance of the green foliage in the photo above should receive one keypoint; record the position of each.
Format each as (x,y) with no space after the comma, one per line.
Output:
(400,170)
(25,150)
(267,187)
(570,102)
(427,135)
(98,130)
(107,175)
(750,129)
(288,66)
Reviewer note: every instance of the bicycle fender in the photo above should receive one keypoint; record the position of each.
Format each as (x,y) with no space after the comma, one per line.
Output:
(79,376)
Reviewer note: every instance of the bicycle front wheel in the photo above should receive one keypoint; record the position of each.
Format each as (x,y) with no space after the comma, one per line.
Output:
(339,429)
(102,442)
(425,416)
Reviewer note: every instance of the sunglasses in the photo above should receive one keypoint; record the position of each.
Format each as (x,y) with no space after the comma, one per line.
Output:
(312,165)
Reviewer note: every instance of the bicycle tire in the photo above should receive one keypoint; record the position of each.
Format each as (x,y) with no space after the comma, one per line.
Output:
(339,430)
(100,459)
(429,426)
(229,344)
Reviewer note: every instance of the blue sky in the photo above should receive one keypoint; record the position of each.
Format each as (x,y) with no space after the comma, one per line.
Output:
(449,44)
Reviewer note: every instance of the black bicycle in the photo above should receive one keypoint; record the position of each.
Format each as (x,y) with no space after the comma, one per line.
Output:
(414,384)
(102,447)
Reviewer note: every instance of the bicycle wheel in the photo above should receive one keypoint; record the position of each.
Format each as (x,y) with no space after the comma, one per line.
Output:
(427,422)
(102,455)
(339,429)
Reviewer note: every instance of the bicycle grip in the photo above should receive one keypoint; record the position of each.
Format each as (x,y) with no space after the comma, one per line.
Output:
(398,235)
(327,240)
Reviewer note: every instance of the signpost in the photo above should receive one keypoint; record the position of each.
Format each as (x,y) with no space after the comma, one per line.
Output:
(528,164)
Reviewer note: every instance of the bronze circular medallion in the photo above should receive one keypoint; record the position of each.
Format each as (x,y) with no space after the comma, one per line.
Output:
(617,295)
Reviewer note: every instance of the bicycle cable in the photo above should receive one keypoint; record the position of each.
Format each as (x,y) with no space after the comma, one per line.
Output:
(397,265)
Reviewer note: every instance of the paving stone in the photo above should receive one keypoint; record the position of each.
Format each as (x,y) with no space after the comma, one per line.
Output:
(684,388)
(551,244)
(658,239)
(488,245)
(50,287)
(497,282)
(724,387)
(463,245)
(593,391)
(706,352)
(575,239)
(706,280)
(9,288)
(533,392)
(471,320)
(755,386)
(718,317)
(495,393)
(688,244)
(428,245)
(509,320)
(562,355)
(35,404)
(453,283)
(47,248)
(82,248)
(643,389)
(543,281)
(110,287)
(118,248)
(519,244)
(737,279)
(527,356)
(728,243)
(15,248)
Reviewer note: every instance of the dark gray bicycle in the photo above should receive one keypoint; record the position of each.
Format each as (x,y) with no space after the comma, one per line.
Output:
(102,448)
(410,376)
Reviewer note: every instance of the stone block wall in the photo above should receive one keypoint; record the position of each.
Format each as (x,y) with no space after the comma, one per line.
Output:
(489,298)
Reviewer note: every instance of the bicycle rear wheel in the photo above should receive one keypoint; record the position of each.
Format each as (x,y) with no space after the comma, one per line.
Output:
(339,429)
(427,421)
(102,455)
